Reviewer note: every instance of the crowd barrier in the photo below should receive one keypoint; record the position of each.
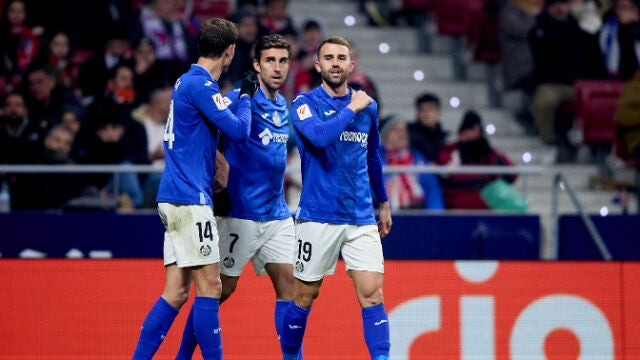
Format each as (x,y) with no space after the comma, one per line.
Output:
(35,234)
(57,309)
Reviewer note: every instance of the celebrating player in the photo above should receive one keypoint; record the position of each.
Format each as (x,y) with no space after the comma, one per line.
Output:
(337,136)
(259,226)
(185,205)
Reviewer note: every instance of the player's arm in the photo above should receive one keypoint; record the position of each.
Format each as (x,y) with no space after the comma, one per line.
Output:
(212,104)
(322,133)
(376,178)
(221,177)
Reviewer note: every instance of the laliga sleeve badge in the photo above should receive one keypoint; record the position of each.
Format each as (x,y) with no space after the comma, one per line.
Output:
(303,112)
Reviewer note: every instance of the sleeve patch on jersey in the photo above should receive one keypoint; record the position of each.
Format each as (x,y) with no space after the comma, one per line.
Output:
(303,112)
(219,101)
(227,101)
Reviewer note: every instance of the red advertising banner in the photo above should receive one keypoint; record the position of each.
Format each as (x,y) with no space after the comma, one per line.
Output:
(462,310)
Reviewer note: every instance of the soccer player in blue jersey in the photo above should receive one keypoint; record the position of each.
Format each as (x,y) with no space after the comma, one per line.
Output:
(259,227)
(337,136)
(197,113)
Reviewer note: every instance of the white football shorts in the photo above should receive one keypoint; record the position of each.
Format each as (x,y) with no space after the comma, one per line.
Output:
(318,245)
(262,242)
(191,236)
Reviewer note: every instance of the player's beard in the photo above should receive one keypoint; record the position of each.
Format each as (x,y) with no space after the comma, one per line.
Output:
(328,79)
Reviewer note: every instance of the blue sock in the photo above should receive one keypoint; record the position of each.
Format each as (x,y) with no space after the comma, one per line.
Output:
(189,342)
(376,331)
(281,309)
(206,325)
(294,324)
(154,329)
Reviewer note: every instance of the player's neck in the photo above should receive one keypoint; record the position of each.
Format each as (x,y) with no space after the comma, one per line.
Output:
(341,90)
(269,93)
(213,66)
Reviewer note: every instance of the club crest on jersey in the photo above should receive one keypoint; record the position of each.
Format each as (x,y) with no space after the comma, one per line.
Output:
(219,101)
(303,112)
(299,266)
(276,118)
(205,250)
(228,262)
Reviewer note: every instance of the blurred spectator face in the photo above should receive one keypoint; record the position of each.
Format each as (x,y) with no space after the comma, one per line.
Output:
(559,10)
(276,9)
(311,38)
(160,102)
(470,134)
(41,85)
(60,46)
(293,41)
(117,47)
(626,11)
(16,13)
(59,140)
(248,29)
(145,52)
(164,9)
(14,109)
(398,137)
(123,78)
(110,133)
(70,120)
(429,113)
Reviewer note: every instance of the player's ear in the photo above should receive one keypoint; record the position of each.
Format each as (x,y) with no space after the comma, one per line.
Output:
(256,65)
(316,64)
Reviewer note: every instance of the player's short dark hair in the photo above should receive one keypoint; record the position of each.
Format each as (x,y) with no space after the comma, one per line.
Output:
(215,35)
(336,40)
(275,41)
(428,98)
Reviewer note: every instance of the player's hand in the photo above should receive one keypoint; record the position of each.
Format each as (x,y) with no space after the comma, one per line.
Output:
(221,176)
(384,223)
(250,84)
(359,101)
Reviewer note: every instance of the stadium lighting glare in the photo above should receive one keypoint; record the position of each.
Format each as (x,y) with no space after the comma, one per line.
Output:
(526,157)
(490,129)
(384,48)
(418,75)
(604,211)
(349,20)
(454,102)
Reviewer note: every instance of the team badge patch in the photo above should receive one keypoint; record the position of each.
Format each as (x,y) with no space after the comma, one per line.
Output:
(303,111)
(299,266)
(228,262)
(276,118)
(219,101)
(205,250)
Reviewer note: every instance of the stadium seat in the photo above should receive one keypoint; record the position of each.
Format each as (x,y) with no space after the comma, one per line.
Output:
(483,36)
(419,5)
(206,9)
(595,105)
(453,16)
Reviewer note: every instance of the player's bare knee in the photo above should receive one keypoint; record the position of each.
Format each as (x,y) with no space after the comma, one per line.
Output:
(371,298)
(305,299)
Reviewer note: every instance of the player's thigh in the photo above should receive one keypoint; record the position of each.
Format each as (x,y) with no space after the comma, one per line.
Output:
(277,245)
(316,249)
(191,237)
(362,251)
(238,244)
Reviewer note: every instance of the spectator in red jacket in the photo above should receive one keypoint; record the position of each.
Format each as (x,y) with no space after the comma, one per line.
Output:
(462,191)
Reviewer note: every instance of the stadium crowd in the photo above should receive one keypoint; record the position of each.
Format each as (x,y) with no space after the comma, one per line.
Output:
(99,73)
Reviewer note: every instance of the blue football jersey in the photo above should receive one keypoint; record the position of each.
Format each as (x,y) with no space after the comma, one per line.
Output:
(256,167)
(197,112)
(340,160)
